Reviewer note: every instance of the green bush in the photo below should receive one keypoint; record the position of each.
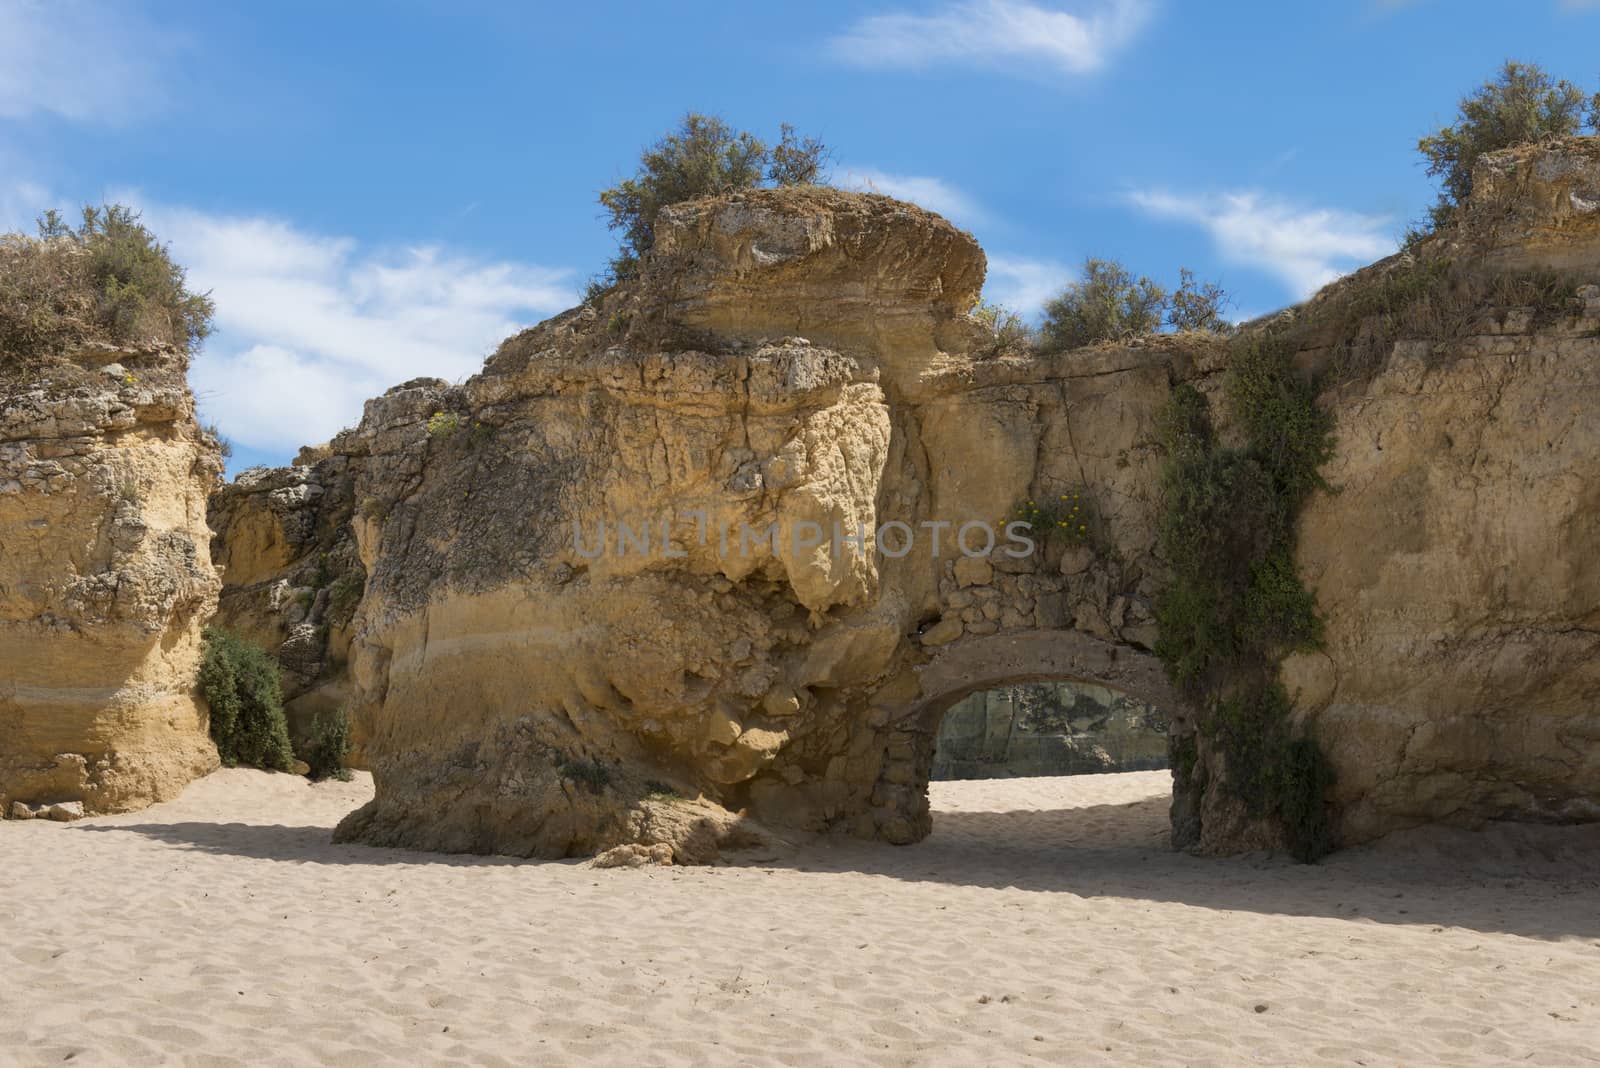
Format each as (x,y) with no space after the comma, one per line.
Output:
(345,593)
(107,279)
(1197,305)
(328,746)
(795,160)
(442,425)
(1107,304)
(224,446)
(703,157)
(1302,789)
(239,680)
(588,772)
(1010,330)
(1519,105)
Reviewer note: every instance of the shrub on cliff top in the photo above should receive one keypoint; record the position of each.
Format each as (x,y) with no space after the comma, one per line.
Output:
(704,156)
(1107,304)
(1010,330)
(1521,104)
(1197,305)
(239,680)
(107,279)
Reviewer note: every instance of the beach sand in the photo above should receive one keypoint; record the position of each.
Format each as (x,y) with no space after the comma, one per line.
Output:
(1045,920)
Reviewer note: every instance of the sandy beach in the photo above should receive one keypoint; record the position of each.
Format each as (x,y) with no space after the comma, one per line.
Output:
(1045,920)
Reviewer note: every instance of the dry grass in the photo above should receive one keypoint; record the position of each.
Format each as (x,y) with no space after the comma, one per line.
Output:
(106,281)
(1437,300)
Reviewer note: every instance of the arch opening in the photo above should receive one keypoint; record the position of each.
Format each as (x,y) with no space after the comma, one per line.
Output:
(1039,703)
(1048,728)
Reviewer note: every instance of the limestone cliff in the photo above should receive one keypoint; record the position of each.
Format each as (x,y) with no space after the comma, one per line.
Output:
(1458,564)
(105,580)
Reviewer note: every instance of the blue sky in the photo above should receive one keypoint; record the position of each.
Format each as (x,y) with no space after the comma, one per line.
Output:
(378,191)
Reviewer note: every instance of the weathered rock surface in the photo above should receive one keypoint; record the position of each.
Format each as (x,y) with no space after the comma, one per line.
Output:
(1459,570)
(1458,564)
(1538,205)
(105,583)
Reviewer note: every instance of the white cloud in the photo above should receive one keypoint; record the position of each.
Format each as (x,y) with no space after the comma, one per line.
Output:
(993,33)
(935,194)
(310,326)
(1023,285)
(21,200)
(1306,248)
(79,60)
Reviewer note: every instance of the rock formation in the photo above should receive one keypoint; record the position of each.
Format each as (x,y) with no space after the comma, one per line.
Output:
(105,582)
(292,578)
(1459,563)
(798,363)
(577,630)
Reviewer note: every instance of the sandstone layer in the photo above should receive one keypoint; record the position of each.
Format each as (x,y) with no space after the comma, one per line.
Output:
(105,582)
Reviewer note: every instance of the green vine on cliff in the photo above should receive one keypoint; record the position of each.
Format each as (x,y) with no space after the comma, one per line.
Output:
(1235,605)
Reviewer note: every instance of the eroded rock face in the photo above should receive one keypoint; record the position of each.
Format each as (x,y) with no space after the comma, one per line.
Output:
(798,363)
(105,583)
(1457,563)
(840,269)
(1537,205)
(1459,570)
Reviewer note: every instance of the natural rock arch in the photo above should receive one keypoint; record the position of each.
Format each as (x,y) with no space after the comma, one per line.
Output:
(987,662)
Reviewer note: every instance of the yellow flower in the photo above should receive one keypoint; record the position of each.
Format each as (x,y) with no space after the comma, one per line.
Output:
(1082,528)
